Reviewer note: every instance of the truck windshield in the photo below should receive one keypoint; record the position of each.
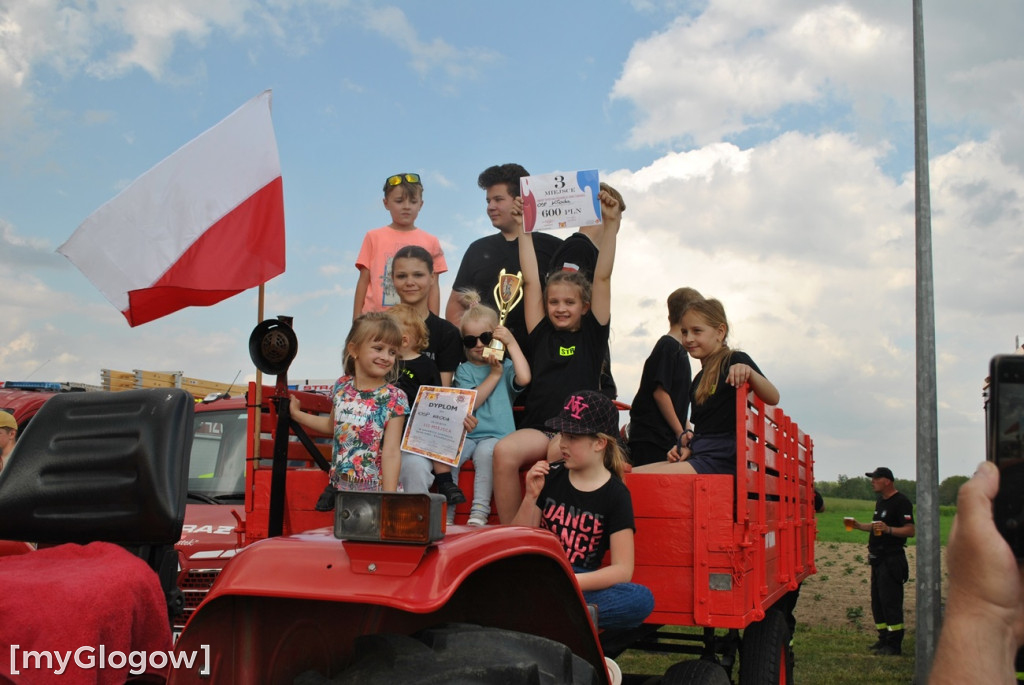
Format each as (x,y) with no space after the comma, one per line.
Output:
(216,471)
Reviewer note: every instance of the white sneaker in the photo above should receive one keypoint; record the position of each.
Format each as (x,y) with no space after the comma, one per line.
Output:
(477,520)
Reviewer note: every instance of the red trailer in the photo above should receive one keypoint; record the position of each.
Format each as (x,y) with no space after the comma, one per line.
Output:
(718,552)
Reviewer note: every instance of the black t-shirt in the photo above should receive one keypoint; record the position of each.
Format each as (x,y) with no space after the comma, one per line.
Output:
(486,257)
(444,344)
(895,512)
(562,362)
(576,253)
(584,521)
(667,367)
(718,413)
(412,373)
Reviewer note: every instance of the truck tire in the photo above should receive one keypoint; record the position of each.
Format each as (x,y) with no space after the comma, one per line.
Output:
(695,672)
(763,651)
(460,653)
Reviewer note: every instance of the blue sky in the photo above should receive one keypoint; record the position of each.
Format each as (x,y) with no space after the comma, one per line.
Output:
(765,151)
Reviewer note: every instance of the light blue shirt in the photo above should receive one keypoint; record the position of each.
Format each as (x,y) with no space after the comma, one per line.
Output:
(495,415)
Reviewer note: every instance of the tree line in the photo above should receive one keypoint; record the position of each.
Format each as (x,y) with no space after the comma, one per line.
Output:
(859,487)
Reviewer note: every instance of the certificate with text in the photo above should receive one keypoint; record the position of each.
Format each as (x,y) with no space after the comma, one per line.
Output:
(435,428)
(560,200)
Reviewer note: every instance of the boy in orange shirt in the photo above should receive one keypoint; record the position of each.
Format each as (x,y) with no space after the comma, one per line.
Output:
(403,198)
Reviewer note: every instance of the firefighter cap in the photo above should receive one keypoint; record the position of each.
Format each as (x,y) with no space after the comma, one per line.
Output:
(881,472)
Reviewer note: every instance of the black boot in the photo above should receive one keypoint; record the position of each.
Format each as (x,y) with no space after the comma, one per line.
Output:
(893,645)
(882,635)
(447,487)
(327,498)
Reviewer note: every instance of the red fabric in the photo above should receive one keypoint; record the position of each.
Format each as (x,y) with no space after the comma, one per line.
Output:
(242,250)
(71,596)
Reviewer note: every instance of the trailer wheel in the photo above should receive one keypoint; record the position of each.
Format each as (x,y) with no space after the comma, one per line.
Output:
(695,672)
(463,653)
(763,651)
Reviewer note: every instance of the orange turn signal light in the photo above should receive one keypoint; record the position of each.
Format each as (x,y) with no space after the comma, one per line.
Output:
(389,517)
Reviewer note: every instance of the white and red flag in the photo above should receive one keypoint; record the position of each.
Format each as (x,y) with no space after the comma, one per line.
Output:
(202,225)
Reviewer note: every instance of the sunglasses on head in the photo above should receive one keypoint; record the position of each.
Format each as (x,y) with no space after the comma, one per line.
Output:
(398,179)
(485,338)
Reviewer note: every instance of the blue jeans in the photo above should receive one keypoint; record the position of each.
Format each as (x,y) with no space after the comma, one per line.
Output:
(481,452)
(623,605)
(417,473)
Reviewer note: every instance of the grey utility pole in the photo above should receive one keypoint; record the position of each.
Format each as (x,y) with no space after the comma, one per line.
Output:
(928,542)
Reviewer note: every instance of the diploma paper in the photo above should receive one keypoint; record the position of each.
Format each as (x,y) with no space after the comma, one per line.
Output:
(560,200)
(435,427)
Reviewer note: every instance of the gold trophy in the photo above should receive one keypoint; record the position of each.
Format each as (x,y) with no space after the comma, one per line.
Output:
(507,294)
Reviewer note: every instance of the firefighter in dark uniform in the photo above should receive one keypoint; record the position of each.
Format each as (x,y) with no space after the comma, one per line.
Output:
(890,527)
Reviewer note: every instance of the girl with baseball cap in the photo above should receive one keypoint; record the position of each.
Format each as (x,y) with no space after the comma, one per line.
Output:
(583,501)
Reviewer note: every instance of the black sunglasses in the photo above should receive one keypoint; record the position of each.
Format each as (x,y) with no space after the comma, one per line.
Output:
(398,179)
(469,341)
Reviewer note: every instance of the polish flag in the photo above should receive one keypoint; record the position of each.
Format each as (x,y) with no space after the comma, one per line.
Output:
(202,225)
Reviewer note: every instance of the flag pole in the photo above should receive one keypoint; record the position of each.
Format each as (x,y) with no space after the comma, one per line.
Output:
(258,399)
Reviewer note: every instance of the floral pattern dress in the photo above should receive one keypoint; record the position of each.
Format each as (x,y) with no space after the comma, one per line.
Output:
(360,417)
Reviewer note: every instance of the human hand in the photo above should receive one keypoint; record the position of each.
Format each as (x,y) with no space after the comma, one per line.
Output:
(738,374)
(504,335)
(470,423)
(294,406)
(611,204)
(535,478)
(985,579)
(678,453)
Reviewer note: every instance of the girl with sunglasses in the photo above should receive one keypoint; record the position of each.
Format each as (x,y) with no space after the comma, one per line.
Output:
(375,291)
(497,383)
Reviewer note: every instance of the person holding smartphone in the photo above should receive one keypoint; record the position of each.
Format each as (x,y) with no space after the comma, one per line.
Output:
(984,619)
(891,525)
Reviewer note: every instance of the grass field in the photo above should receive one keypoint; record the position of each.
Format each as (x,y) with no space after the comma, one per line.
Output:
(826,655)
(830,522)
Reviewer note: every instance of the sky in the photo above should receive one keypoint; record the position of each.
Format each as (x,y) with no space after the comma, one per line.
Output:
(765,151)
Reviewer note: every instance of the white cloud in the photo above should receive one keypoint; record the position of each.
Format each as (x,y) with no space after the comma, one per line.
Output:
(738,64)
(810,246)
(426,56)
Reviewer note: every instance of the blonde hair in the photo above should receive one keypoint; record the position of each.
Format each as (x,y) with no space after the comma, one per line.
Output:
(408,319)
(475,310)
(371,326)
(569,278)
(614,457)
(713,314)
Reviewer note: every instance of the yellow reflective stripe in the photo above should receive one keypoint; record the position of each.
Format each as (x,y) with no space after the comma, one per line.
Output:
(896,627)
(880,626)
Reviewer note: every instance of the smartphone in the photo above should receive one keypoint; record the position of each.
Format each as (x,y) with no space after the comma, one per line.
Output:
(1005,416)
